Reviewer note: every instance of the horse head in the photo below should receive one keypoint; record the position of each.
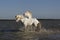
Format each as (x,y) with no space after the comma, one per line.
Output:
(19,17)
(28,14)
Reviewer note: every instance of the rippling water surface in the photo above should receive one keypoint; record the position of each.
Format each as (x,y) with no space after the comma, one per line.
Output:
(10,30)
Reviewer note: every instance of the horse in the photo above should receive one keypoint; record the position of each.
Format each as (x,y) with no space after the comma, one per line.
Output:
(27,22)
(36,22)
(28,14)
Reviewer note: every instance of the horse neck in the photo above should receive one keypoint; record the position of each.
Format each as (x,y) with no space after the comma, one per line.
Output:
(23,20)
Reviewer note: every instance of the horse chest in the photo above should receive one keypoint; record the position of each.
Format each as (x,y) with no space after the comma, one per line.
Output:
(27,22)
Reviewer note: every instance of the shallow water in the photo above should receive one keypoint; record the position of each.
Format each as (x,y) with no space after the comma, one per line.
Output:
(28,36)
(10,30)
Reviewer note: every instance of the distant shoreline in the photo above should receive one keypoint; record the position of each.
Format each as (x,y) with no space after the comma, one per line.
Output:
(14,19)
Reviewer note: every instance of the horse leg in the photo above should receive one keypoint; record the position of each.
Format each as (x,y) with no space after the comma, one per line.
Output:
(39,25)
(31,27)
(38,28)
(25,27)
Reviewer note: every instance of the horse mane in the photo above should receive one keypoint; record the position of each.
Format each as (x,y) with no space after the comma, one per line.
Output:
(29,12)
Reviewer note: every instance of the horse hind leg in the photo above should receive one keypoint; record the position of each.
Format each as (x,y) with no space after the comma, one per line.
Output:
(39,25)
(38,28)
(33,27)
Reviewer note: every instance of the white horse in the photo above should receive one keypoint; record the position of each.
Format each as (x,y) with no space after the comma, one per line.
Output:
(28,14)
(27,22)
(35,21)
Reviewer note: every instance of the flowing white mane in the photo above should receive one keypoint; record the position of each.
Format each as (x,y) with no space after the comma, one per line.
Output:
(28,14)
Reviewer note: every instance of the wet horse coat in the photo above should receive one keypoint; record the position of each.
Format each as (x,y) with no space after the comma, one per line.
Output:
(27,22)
(36,22)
